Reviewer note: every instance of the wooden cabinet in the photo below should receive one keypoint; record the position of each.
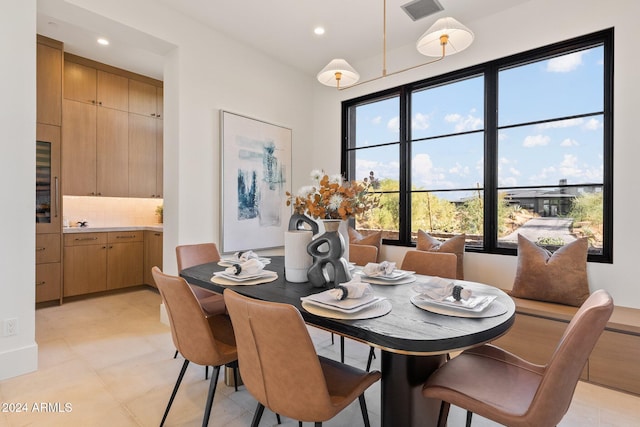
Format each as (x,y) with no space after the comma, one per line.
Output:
(48,265)
(85,263)
(48,197)
(79,147)
(89,85)
(112,153)
(152,254)
(95,262)
(49,81)
(142,156)
(145,99)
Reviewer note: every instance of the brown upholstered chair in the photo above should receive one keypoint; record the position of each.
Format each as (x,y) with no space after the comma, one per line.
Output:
(439,264)
(502,387)
(281,369)
(201,253)
(362,254)
(201,338)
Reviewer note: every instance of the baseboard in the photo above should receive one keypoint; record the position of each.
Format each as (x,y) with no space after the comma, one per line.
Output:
(18,361)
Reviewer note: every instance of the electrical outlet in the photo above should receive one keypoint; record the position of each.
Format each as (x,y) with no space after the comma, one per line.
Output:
(10,327)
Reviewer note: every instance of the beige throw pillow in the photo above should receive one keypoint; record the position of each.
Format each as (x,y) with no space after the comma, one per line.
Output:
(454,245)
(372,239)
(559,278)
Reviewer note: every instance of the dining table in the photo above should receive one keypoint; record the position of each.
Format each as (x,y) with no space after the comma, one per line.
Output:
(414,339)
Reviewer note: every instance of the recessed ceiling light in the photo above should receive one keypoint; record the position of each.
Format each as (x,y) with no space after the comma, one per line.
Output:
(103,41)
(319,30)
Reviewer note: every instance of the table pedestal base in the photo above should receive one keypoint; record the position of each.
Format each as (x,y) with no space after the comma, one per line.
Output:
(402,400)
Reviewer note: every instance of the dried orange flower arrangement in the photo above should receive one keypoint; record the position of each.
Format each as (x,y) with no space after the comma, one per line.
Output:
(332,197)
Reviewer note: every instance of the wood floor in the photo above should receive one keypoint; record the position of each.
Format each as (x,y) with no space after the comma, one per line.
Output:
(108,361)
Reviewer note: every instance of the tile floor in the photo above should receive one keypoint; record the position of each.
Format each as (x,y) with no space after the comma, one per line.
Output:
(108,361)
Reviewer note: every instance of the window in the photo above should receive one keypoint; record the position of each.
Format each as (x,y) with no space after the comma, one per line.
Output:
(518,145)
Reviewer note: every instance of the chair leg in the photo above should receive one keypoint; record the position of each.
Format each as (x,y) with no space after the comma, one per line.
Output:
(469,415)
(175,390)
(206,372)
(257,415)
(278,418)
(212,391)
(372,354)
(299,423)
(363,408)
(176,354)
(317,424)
(341,349)
(444,414)
(332,340)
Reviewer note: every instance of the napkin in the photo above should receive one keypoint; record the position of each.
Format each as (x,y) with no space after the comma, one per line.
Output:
(439,289)
(351,289)
(252,266)
(373,269)
(245,256)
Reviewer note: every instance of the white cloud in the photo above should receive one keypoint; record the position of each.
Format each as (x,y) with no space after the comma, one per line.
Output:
(565,63)
(460,170)
(569,166)
(508,182)
(420,121)
(394,125)
(593,124)
(536,141)
(462,124)
(376,120)
(381,169)
(568,142)
(560,124)
(425,173)
(502,135)
(542,176)
(514,171)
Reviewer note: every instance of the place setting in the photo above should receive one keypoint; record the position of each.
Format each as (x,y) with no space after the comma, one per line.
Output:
(348,301)
(240,257)
(385,273)
(249,272)
(455,298)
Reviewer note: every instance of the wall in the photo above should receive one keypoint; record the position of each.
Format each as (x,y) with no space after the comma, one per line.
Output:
(533,24)
(18,353)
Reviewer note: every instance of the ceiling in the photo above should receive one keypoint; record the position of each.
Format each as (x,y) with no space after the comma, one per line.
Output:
(282,29)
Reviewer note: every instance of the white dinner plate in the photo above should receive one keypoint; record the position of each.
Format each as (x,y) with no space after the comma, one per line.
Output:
(223,279)
(495,308)
(375,310)
(352,305)
(379,281)
(229,262)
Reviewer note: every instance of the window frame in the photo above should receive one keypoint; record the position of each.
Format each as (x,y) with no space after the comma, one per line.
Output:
(490,70)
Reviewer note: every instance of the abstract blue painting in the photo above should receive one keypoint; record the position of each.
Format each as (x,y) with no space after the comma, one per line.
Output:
(256,159)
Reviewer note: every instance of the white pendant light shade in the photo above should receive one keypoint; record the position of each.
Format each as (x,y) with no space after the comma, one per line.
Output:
(458,38)
(338,73)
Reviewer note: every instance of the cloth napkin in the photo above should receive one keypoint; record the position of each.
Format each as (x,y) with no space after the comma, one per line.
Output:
(385,268)
(243,256)
(439,289)
(351,289)
(252,266)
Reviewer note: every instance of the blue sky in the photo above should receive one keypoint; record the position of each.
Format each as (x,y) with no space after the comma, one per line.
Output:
(529,155)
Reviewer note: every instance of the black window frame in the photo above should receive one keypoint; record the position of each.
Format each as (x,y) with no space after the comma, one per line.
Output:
(490,70)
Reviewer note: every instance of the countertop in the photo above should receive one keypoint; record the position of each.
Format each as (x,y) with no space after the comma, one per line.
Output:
(153,227)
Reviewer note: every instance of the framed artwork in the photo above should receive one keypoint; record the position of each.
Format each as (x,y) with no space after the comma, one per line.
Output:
(256,174)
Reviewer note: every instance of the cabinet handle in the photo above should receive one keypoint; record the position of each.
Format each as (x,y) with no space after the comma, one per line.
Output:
(100,103)
(157,234)
(40,249)
(153,114)
(158,115)
(126,237)
(93,101)
(41,283)
(85,238)
(55,196)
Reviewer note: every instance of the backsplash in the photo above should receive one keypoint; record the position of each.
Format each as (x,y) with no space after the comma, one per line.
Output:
(110,211)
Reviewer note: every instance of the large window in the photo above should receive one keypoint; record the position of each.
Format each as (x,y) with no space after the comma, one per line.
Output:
(518,145)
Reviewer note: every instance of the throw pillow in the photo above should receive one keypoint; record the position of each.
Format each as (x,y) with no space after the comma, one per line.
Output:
(372,239)
(454,245)
(560,277)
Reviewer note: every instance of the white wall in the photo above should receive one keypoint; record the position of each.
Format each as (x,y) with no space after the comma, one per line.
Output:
(533,24)
(19,353)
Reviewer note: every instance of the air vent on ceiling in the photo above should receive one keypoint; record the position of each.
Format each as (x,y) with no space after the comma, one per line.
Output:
(418,9)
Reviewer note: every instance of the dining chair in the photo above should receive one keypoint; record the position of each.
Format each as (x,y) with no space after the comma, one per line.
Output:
(201,253)
(507,389)
(280,366)
(201,338)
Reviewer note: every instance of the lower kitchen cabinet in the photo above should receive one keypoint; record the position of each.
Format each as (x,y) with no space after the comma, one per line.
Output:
(95,262)
(152,254)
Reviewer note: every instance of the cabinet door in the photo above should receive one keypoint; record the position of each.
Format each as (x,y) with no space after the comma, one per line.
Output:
(48,196)
(85,269)
(49,85)
(112,153)
(113,91)
(79,83)
(79,147)
(159,158)
(159,102)
(47,248)
(152,254)
(142,156)
(124,265)
(47,282)
(142,98)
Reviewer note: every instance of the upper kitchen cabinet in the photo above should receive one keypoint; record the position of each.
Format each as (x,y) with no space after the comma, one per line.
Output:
(84,83)
(49,81)
(145,99)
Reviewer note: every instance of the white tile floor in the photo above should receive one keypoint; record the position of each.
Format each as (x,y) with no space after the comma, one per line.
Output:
(110,360)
